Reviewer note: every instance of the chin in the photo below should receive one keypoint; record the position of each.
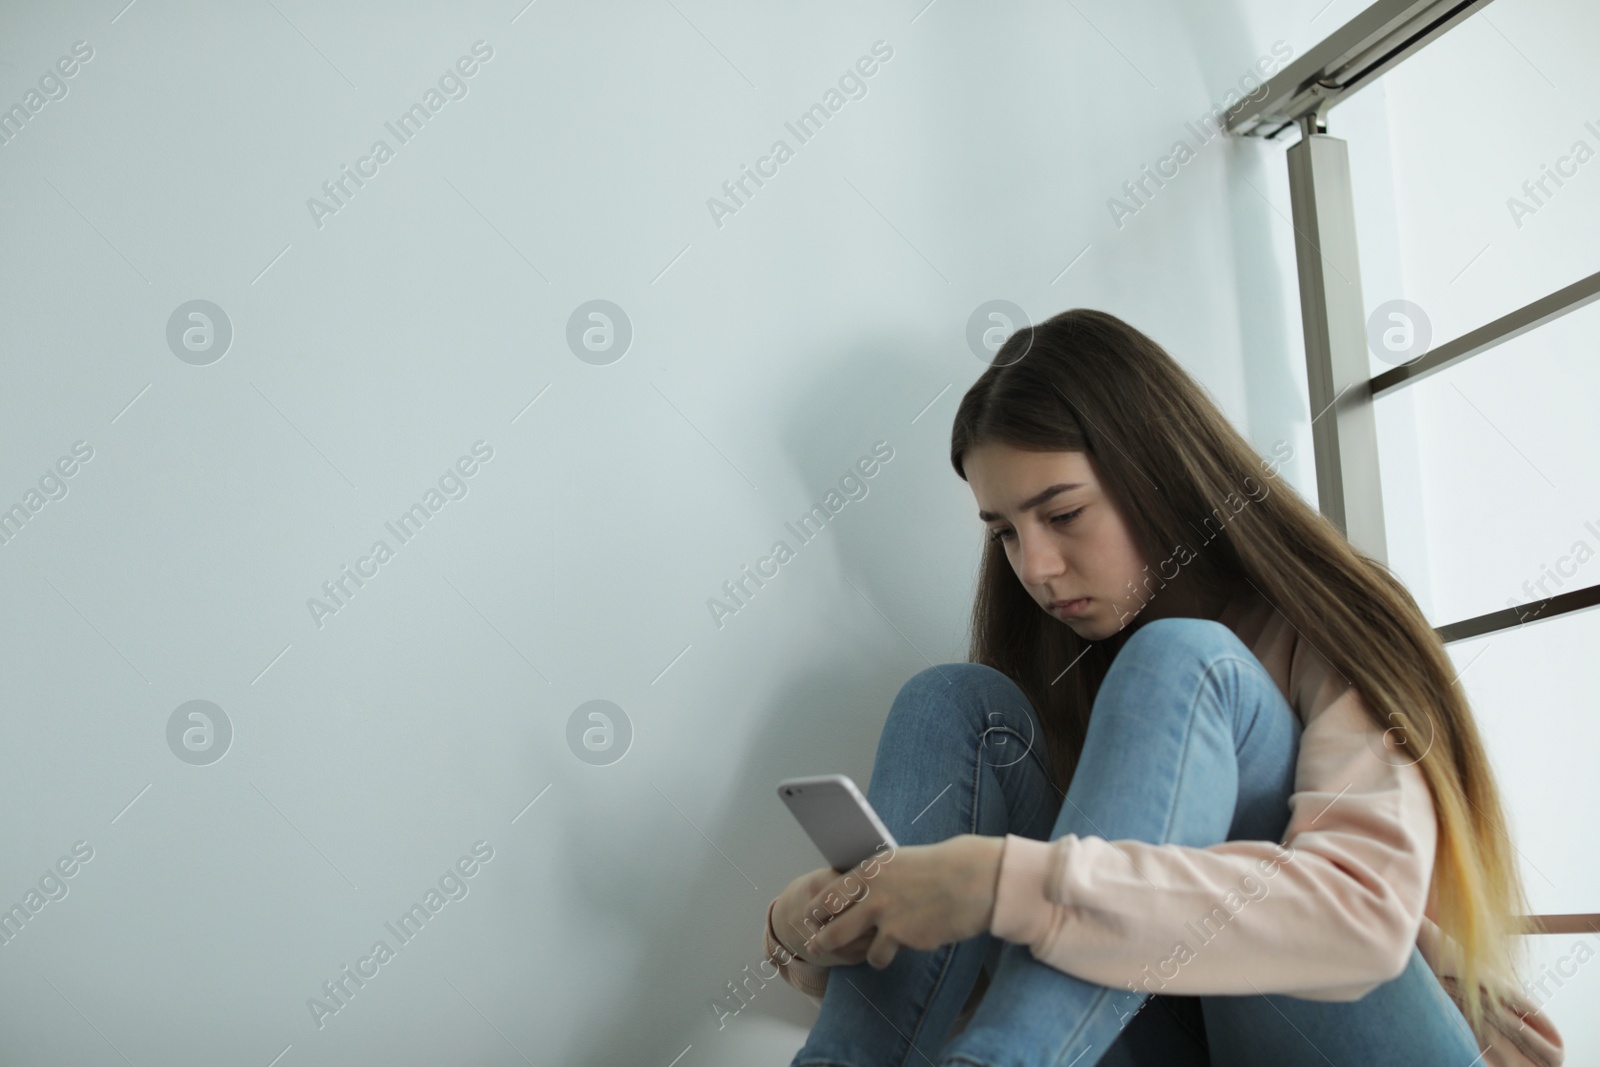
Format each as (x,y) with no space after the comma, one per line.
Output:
(1090,630)
(1087,627)
(1098,629)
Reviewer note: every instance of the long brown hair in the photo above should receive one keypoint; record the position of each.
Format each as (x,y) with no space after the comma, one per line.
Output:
(1085,381)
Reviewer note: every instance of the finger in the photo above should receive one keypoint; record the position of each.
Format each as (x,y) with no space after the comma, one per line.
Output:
(821,879)
(860,944)
(845,928)
(856,951)
(882,952)
(817,907)
(814,902)
(831,936)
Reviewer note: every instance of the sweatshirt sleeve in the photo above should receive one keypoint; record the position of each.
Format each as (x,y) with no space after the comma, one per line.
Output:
(809,978)
(1329,915)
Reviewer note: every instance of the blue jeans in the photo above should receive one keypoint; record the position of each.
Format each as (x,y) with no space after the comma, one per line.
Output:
(1190,742)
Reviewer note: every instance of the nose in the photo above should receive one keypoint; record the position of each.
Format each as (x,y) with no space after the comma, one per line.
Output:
(1038,558)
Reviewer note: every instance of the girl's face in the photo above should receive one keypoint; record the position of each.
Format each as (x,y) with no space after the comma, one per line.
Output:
(1065,539)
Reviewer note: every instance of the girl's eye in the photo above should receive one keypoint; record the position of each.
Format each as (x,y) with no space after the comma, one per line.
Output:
(1061,520)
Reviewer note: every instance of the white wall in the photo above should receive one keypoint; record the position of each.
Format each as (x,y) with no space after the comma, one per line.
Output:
(370,753)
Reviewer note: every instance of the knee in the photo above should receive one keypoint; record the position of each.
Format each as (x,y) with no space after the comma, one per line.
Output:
(946,679)
(947,692)
(1169,638)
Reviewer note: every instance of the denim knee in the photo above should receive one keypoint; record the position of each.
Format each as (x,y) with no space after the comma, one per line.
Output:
(972,701)
(933,690)
(1169,637)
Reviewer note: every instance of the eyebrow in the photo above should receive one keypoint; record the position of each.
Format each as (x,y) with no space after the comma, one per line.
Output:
(1035,500)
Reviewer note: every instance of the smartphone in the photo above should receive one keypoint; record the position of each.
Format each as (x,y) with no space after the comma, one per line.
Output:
(837,816)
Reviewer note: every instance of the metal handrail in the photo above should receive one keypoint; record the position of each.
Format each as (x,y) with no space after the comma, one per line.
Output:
(1561,924)
(1531,316)
(1533,611)
(1350,58)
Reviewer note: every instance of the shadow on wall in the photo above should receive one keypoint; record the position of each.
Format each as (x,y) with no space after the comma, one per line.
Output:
(829,693)
(1274,398)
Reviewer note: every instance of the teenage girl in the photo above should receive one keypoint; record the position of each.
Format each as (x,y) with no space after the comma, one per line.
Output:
(1207,792)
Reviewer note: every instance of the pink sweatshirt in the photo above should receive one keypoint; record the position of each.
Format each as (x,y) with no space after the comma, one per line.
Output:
(1328,915)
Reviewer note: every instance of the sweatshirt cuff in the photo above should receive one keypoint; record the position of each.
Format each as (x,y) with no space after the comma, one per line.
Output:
(1023,910)
(775,949)
(809,978)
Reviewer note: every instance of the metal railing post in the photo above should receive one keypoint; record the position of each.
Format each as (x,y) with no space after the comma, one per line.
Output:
(1344,432)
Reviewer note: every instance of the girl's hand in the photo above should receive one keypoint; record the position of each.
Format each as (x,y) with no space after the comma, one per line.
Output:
(918,896)
(788,922)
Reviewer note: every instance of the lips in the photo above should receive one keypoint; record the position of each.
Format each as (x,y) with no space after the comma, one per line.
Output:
(1077,606)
